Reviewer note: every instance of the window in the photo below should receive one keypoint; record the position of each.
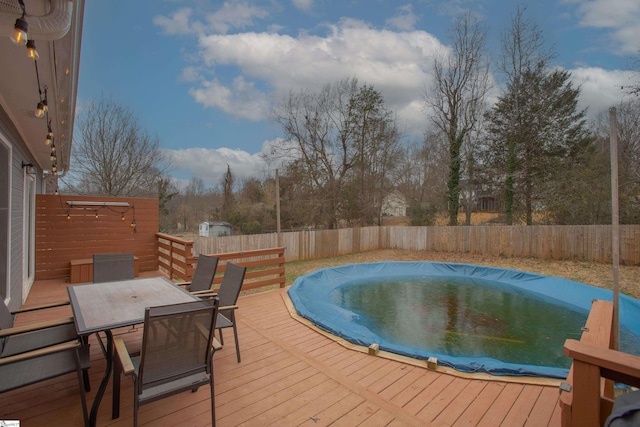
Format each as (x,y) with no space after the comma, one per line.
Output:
(28,245)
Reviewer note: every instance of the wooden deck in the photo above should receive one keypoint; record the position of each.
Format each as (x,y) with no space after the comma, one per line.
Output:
(291,375)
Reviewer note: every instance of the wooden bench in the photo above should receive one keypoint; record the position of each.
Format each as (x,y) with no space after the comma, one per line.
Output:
(82,270)
(586,398)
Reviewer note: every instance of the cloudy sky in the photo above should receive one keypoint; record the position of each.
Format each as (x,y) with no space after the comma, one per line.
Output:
(204,75)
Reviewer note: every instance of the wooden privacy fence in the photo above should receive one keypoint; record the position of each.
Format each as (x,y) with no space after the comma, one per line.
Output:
(89,225)
(570,242)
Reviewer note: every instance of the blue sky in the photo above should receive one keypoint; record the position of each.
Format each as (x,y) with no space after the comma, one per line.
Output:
(203,75)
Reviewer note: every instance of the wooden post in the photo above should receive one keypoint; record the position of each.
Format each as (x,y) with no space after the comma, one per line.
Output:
(615,227)
(278,209)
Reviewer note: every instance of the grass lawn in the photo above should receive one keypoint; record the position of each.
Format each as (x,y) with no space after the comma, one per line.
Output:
(591,273)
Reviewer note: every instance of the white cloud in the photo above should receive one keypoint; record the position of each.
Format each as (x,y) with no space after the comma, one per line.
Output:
(210,165)
(395,63)
(619,16)
(405,19)
(177,24)
(232,15)
(599,88)
(241,99)
(189,75)
(235,14)
(303,5)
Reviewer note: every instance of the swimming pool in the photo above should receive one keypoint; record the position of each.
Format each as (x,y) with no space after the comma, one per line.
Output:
(471,318)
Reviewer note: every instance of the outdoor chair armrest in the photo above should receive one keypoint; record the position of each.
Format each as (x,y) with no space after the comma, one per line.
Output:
(182,284)
(216,344)
(123,355)
(57,348)
(40,307)
(35,326)
(206,292)
(228,307)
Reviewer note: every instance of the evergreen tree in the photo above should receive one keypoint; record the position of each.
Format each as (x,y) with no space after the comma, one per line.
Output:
(544,133)
(227,195)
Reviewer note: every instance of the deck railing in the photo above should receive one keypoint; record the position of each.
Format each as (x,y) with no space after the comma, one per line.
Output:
(175,257)
(265,267)
(587,396)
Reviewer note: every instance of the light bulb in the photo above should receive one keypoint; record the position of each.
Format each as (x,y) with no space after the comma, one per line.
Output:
(39,110)
(31,50)
(19,33)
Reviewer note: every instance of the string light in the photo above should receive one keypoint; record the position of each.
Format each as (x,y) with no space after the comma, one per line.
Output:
(96,207)
(42,108)
(21,28)
(31,50)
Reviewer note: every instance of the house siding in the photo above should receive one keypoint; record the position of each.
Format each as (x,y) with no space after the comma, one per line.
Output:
(19,154)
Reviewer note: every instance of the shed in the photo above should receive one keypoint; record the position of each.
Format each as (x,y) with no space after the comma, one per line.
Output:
(215,229)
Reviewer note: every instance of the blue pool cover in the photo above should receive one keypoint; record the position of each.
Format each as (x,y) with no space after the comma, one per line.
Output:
(310,295)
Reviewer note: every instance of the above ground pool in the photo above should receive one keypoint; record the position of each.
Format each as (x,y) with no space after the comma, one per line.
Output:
(471,318)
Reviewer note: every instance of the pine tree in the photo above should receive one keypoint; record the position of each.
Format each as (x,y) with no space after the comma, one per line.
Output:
(545,131)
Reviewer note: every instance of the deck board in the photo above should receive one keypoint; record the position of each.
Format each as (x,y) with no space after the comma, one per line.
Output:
(290,375)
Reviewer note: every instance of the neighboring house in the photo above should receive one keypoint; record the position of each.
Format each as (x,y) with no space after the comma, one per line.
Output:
(28,164)
(479,198)
(215,229)
(394,204)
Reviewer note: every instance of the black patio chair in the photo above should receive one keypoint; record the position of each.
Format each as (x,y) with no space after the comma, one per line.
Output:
(113,267)
(41,351)
(203,276)
(176,354)
(228,294)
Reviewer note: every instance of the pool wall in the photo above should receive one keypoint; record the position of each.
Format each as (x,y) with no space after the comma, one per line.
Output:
(310,295)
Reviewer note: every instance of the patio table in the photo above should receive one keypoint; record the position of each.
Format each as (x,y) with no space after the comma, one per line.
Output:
(106,306)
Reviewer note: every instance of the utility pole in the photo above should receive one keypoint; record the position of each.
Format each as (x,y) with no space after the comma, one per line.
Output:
(615,232)
(278,209)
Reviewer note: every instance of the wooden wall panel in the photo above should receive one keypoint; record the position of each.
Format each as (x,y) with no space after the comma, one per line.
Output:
(64,233)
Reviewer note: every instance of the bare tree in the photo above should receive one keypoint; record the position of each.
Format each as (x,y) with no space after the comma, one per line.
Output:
(320,149)
(634,89)
(113,156)
(460,84)
(422,178)
(628,118)
(376,138)
(342,144)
